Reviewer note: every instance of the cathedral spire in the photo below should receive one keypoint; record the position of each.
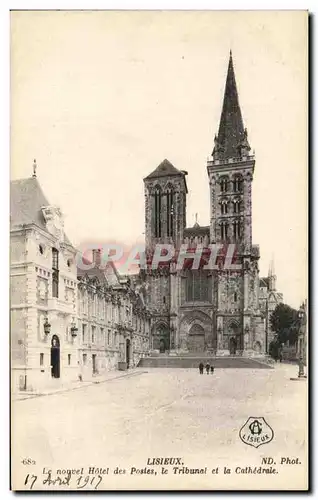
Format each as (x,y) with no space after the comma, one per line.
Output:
(271,275)
(231,141)
(271,270)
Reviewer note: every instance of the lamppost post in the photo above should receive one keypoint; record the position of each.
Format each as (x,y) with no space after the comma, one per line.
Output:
(302,322)
(300,343)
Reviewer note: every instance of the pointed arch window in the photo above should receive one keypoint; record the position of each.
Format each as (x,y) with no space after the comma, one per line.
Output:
(224,206)
(237,229)
(224,184)
(157,212)
(224,230)
(237,184)
(237,206)
(170,210)
(197,289)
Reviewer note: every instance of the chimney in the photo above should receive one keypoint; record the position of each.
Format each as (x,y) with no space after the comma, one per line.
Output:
(97,257)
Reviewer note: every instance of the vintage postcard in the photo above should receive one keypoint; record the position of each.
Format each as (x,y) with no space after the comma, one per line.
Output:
(158,239)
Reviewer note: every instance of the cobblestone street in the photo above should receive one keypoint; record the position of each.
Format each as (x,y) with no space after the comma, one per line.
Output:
(167,413)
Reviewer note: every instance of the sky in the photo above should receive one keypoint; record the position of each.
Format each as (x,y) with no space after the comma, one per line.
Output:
(101,98)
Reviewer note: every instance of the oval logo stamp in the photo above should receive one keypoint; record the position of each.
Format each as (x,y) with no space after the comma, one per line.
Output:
(256,432)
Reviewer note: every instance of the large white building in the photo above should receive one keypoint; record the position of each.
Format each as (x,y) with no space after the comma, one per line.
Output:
(66,323)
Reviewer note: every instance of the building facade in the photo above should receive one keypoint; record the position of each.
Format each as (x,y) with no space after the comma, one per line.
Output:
(43,282)
(66,323)
(215,311)
(113,322)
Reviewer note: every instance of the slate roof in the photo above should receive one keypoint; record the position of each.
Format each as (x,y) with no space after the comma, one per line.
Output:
(264,282)
(26,202)
(231,128)
(196,230)
(108,274)
(164,169)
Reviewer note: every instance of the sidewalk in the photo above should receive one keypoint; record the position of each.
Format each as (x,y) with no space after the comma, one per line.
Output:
(71,386)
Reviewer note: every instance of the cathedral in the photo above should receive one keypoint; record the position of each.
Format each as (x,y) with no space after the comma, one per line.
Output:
(213,311)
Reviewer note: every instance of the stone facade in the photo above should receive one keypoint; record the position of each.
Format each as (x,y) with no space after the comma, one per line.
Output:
(218,310)
(113,322)
(33,304)
(269,298)
(66,324)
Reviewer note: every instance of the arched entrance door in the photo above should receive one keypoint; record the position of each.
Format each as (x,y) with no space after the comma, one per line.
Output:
(161,338)
(196,339)
(127,352)
(55,357)
(162,345)
(233,345)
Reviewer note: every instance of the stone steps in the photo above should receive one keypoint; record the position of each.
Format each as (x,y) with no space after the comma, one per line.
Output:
(193,362)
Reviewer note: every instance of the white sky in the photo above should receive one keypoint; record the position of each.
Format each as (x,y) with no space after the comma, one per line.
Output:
(101,98)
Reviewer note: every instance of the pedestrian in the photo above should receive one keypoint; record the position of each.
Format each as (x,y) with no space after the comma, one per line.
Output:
(207,367)
(201,367)
(212,370)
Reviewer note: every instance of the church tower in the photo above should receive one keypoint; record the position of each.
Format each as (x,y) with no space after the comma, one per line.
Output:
(230,170)
(165,205)
(165,221)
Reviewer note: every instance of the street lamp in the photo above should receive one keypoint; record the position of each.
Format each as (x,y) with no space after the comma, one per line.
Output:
(301,317)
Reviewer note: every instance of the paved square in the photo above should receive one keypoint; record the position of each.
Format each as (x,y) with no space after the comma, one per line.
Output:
(167,413)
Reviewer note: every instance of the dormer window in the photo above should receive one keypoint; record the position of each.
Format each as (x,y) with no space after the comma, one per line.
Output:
(54,221)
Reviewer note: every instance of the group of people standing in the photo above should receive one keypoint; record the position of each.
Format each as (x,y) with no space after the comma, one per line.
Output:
(208,368)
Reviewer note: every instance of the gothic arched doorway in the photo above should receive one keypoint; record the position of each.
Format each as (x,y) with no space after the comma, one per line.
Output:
(233,345)
(196,339)
(55,357)
(161,338)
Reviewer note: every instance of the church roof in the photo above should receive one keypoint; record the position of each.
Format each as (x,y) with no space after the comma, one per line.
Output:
(231,129)
(163,170)
(196,230)
(26,202)
(106,274)
(264,282)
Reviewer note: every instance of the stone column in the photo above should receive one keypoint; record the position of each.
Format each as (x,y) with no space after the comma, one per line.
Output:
(246,281)
(220,334)
(212,209)
(247,192)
